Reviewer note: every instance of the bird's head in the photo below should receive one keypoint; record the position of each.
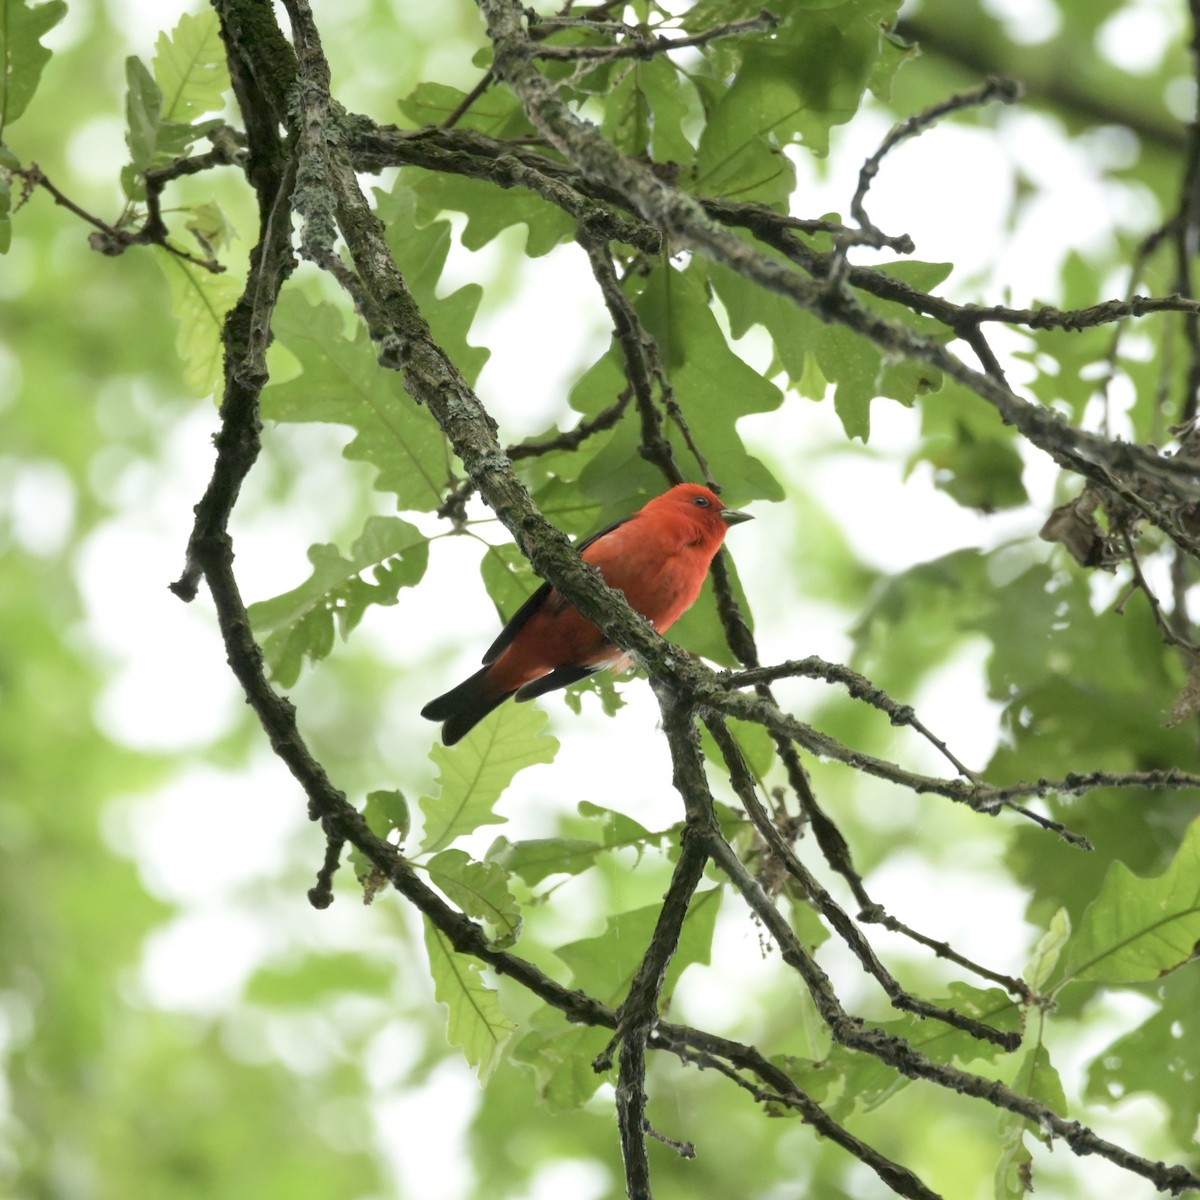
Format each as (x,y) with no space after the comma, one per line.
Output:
(702,506)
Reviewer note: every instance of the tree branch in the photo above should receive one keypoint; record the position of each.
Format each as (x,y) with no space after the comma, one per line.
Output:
(640,42)
(332,203)
(839,920)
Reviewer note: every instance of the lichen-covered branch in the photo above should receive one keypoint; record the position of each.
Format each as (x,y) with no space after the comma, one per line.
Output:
(1120,466)
(311,169)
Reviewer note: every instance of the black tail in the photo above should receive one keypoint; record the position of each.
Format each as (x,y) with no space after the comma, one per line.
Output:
(463,707)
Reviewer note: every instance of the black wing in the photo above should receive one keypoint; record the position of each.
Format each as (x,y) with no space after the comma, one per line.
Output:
(521,617)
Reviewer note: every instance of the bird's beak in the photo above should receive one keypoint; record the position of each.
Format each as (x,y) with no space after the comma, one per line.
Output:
(734,516)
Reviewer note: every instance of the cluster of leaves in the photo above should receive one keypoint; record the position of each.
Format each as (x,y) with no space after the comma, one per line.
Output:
(1080,687)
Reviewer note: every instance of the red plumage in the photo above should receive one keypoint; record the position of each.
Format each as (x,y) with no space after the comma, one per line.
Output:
(658,557)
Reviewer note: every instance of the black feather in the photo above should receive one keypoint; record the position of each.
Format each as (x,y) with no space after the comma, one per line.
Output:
(561,677)
(463,707)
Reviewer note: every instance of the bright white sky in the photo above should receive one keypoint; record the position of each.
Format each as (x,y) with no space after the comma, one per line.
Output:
(200,960)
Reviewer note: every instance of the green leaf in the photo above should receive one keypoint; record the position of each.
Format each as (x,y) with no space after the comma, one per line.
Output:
(1138,929)
(645,111)
(22,55)
(208,224)
(480,889)
(143,113)
(313,979)
(476,1023)
(5,208)
(916,618)
(474,774)
(713,387)
(792,87)
(792,328)
(666,91)
(153,139)
(508,577)
(300,624)
(616,829)
(490,210)
(420,250)
(1161,1057)
(982,475)
(814,354)
(342,383)
(497,112)
(387,814)
(973,461)
(1013,1179)
(1034,1076)
(538,858)
(853,365)
(603,686)
(1049,948)
(893,54)
(604,966)
(200,301)
(562,1062)
(189,67)
(737,159)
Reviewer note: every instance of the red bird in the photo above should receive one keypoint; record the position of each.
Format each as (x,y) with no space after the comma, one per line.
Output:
(658,557)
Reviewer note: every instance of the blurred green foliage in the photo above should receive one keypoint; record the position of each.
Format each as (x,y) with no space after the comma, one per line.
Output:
(281,1087)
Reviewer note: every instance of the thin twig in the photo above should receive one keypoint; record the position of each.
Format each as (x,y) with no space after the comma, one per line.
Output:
(1169,635)
(639,1012)
(709,1052)
(464,106)
(641,43)
(452,507)
(639,352)
(1186,230)
(111,240)
(1007,91)
(743,785)
(859,686)
(895,1051)
(321,894)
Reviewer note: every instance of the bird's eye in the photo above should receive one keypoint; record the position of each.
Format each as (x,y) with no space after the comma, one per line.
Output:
(701,501)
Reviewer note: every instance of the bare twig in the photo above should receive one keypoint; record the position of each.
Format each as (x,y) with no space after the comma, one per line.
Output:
(112,240)
(859,686)
(743,785)
(1186,231)
(464,106)
(896,1052)
(321,895)
(571,439)
(1169,635)
(1007,91)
